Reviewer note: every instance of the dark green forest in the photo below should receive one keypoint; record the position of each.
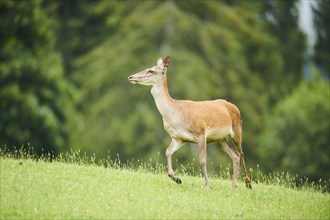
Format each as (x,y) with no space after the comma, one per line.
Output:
(64,68)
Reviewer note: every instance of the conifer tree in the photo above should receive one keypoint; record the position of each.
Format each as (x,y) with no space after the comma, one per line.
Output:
(37,103)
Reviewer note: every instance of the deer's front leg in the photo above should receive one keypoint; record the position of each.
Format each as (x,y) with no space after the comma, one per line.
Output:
(174,146)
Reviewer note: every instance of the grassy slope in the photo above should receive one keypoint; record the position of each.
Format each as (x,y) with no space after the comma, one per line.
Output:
(41,190)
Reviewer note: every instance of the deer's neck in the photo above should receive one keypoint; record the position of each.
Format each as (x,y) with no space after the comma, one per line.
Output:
(162,98)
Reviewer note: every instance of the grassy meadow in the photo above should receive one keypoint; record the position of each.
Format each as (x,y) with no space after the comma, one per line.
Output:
(40,189)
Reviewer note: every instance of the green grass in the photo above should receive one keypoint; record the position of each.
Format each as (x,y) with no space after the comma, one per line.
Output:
(33,189)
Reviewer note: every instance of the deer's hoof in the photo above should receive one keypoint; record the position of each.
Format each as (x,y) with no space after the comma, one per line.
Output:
(175,178)
(248,182)
(178,181)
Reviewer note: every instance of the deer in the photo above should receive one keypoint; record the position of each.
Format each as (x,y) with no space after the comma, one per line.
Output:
(201,122)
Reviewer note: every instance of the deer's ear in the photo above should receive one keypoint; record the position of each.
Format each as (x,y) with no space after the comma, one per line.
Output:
(159,61)
(166,61)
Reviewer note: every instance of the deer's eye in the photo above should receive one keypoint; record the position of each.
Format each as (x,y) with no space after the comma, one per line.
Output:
(149,72)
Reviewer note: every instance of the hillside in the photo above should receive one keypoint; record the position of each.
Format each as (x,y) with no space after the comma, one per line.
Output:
(48,190)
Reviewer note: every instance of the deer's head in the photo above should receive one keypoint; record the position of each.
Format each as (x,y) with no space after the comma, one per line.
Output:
(151,75)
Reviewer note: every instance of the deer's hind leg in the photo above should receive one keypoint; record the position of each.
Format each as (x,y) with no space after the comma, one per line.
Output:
(238,147)
(201,142)
(234,156)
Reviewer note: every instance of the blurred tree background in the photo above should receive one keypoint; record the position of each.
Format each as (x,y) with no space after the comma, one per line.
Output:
(64,68)
(37,102)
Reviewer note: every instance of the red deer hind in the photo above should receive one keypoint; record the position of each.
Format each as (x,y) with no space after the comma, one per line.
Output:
(202,122)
